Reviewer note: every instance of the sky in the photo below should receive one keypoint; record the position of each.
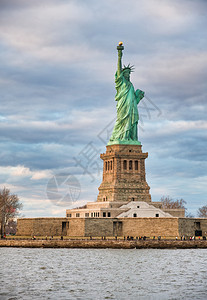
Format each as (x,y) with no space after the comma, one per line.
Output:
(57,90)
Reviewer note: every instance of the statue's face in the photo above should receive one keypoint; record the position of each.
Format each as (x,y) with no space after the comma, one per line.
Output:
(127,74)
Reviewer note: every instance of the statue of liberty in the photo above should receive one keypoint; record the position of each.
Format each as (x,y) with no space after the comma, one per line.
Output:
(125,129)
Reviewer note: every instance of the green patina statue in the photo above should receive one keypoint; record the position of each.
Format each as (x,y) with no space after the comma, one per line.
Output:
(125,129)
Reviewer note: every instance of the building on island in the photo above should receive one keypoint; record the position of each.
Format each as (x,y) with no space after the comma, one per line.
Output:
(124,206)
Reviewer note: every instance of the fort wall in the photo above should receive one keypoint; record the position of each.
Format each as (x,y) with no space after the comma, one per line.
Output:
(97,227)
(150,226)
(188,226)
(76,227)
(40,226)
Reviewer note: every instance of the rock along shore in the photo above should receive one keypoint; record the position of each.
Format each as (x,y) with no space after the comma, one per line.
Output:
(113,244)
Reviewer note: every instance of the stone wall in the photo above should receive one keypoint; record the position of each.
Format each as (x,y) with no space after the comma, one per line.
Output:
(76,227)
(188,226)
(99,227)
(150,227)
(25,227)
(40,226)
(167,227)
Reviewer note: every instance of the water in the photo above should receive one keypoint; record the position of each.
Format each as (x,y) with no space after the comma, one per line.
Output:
(103,274)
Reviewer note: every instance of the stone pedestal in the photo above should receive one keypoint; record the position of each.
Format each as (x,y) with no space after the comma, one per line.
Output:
(124,174)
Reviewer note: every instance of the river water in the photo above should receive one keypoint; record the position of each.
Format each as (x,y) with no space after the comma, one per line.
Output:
(103,274)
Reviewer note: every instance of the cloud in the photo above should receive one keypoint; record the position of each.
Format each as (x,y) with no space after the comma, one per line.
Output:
(22,171)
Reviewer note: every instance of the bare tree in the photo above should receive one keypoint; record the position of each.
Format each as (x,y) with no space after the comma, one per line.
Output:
(168,202)
(9,207)
(202,212)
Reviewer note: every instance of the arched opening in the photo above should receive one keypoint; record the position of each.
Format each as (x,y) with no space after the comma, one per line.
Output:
(136,164)
(124,164)
(134,215)
(130,165)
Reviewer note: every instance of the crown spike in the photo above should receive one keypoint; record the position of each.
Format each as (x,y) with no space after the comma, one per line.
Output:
(129,67)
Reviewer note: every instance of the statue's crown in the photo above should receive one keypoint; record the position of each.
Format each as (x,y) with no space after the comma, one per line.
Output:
(131,68)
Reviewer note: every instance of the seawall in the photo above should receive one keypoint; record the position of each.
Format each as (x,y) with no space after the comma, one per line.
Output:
(113,244)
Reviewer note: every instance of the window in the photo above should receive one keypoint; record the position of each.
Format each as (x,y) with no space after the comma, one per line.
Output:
(77,215)
(104,214)
(86,214)
(136,164)
(132,199)
(138,206)
(134,215)
(157,215)
(111,165)
(91,215)
(130,150)
(124,164)
(68,215)
(104,199)
(130,165)
(109,214)
(106,165)
(98,214)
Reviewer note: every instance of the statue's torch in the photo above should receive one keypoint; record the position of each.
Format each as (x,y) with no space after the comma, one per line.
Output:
(120,46)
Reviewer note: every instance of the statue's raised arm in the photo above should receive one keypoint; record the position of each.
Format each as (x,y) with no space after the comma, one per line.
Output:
(125,129)
(120,48)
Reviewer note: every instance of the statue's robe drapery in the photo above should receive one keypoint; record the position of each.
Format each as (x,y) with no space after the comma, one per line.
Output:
(125,128)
